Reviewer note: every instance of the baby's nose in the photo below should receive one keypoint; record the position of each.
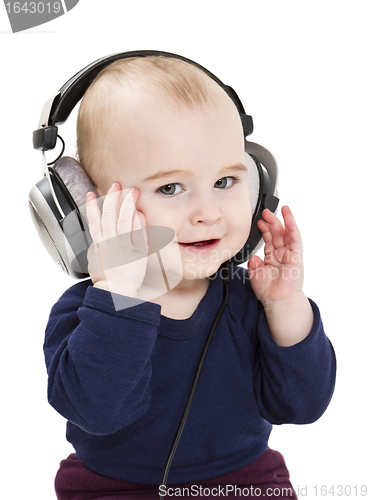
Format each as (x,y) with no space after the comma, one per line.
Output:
(206,210)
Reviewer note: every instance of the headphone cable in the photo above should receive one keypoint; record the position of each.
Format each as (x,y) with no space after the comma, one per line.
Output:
(225,275)
(61,153)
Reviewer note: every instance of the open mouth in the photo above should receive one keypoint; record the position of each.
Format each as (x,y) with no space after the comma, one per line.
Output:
(204,244)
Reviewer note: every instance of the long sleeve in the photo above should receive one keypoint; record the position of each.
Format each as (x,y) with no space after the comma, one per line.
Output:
(122,379)
(294,384)
(98,359)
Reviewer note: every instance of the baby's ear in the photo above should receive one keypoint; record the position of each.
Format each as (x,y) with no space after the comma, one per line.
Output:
(75,180)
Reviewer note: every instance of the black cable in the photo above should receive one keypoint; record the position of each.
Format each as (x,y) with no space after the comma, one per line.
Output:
(225,274)
(61,153)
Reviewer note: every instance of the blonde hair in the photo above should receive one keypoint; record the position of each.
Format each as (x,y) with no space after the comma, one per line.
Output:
(182,85)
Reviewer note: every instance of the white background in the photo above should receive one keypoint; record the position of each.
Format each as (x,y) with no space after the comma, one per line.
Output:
(301,70)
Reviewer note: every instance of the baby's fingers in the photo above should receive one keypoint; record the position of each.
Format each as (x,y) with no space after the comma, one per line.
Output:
(93,216)
(272,229)
(293,235)
(139,236)
(127,212)
(110,211)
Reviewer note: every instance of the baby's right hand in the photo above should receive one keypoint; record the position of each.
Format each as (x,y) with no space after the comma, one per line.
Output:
(117,258)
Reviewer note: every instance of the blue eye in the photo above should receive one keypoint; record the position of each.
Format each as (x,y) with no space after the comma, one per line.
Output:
(170,189)
(225,182)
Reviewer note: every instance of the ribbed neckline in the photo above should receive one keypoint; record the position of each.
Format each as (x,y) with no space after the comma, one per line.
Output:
(200,319)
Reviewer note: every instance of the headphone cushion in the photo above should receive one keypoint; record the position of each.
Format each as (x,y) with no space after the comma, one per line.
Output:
(75,180)
(254,181)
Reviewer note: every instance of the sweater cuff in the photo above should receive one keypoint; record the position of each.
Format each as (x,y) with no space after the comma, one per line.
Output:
(120,305)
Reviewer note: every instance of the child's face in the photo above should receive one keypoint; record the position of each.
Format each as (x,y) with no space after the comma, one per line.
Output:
(190,171)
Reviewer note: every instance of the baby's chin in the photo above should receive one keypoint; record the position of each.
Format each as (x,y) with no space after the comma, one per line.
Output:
(192,272)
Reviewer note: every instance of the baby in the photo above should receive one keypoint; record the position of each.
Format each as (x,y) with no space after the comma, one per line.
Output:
(164,146)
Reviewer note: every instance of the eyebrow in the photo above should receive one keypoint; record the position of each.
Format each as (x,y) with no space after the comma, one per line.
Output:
(163,174)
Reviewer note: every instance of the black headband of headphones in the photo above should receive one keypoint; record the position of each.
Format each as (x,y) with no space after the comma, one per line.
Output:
(61,106)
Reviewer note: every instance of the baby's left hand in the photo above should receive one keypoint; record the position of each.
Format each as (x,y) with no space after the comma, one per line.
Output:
(280,276)
(277,280)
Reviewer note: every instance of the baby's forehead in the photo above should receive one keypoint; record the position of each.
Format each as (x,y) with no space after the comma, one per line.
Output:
(154,139)
(170,82)
(142,87)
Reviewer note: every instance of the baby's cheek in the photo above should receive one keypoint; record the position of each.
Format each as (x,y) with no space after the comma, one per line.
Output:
(242,225)
(155,216)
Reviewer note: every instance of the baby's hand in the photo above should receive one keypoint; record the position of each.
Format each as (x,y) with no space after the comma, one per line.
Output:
(280,275)
(277,281)
(118,255)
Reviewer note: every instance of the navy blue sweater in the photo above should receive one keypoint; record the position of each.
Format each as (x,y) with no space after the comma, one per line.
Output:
(122,378)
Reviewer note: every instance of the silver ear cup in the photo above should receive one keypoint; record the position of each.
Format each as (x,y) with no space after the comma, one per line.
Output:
(46,237)
(48,228)
(64,232)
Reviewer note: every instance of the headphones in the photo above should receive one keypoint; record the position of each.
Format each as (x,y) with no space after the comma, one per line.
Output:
(57,202)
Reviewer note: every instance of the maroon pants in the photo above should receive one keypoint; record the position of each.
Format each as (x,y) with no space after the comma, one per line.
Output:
(266,477)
